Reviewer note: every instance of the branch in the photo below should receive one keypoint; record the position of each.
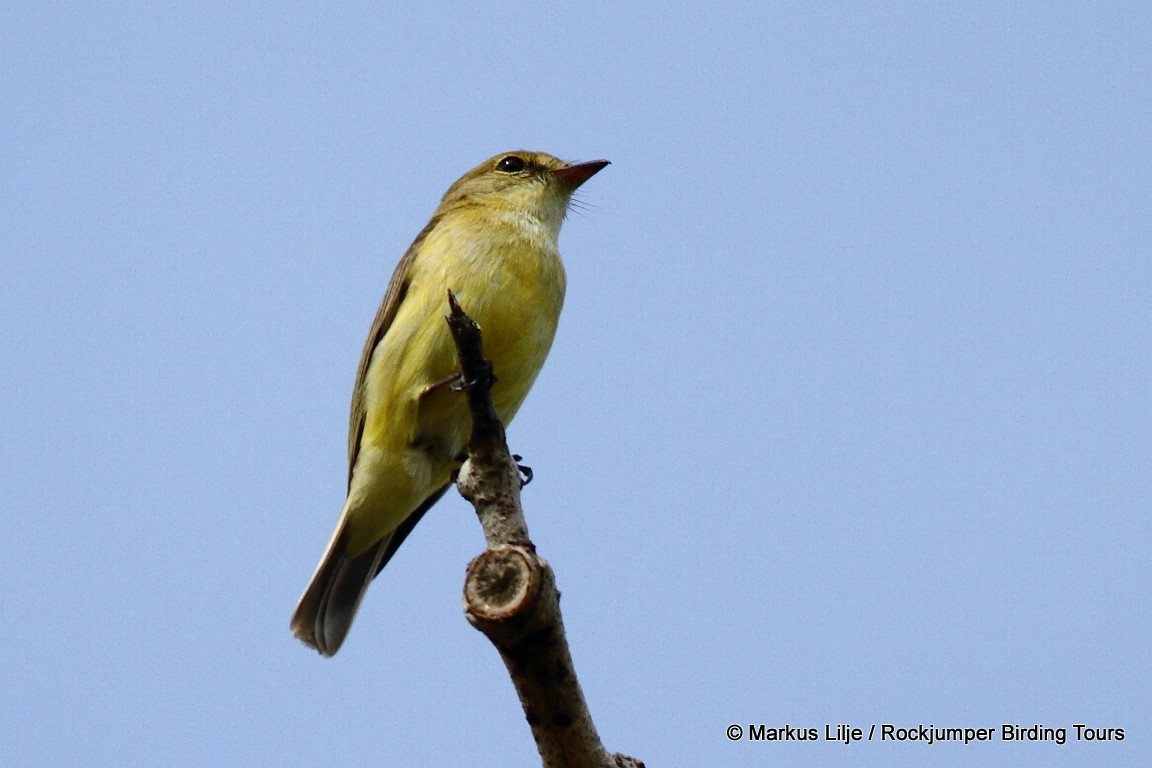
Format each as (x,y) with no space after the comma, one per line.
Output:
(509,592)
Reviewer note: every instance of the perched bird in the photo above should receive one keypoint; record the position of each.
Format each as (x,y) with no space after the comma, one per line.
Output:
(493,243)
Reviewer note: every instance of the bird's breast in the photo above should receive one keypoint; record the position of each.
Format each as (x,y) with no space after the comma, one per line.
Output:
(512,285)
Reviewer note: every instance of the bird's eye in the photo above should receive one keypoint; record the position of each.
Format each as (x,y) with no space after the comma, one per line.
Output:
(511,164)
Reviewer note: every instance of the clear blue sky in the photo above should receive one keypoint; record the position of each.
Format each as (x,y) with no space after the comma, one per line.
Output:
(848,419)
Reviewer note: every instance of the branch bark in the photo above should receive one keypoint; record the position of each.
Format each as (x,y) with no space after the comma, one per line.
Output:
(510,592)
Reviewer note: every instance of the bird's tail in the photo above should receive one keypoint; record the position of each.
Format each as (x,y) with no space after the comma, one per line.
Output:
(326,609)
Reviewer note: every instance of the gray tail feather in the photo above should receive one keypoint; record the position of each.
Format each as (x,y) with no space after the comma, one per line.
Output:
(326,610)
(328,606)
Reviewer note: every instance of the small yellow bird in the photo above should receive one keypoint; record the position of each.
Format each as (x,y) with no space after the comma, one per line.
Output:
(493,243)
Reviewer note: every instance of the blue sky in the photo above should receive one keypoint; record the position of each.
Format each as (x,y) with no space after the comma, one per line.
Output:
(847,420)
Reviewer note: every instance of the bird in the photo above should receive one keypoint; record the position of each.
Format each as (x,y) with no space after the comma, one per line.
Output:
(492,242)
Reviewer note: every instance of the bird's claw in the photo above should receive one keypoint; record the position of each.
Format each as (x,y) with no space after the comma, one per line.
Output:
(459,384)
(524,470)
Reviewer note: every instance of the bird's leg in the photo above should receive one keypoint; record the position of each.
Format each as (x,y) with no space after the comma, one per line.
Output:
(454,380)
(459,384)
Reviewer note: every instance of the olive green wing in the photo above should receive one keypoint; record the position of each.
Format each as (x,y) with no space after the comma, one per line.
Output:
(393,296)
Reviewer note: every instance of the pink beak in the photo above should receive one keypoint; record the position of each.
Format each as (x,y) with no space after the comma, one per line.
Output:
(577,173)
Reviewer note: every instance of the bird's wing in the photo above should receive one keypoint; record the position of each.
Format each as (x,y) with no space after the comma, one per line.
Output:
(397,289)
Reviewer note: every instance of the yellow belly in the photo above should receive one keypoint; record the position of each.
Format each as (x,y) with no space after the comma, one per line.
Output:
(414,432)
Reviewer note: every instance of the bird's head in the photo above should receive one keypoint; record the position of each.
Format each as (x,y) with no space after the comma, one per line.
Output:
(521,184)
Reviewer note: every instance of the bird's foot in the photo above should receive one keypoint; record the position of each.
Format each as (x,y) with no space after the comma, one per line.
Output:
(524,470)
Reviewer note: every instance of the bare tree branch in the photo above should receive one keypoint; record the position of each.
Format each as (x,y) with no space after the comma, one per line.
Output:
(510,593)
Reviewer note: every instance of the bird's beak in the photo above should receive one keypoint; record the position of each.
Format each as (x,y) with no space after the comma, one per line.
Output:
(577,173)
